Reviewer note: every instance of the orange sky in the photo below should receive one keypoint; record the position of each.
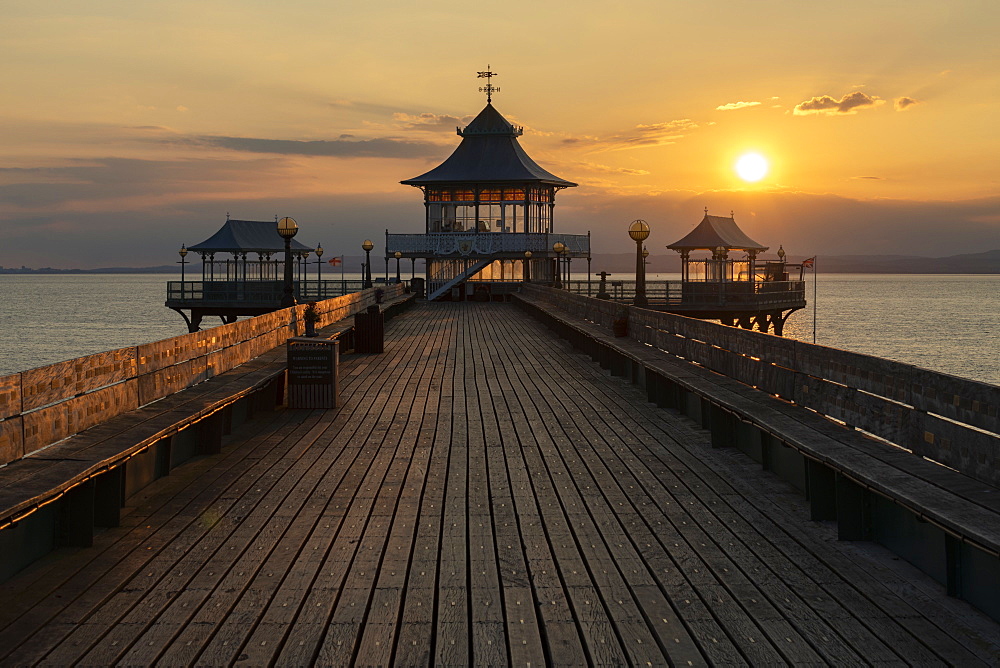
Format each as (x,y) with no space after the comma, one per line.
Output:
(130,128)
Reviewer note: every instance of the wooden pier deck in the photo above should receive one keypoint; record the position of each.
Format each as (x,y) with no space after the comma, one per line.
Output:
(485,496)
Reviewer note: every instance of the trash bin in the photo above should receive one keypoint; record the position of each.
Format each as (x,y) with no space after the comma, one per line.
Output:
(312,373)
(417,286)
(369,331)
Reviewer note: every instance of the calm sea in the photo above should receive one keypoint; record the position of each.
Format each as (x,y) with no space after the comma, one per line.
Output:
(943,322)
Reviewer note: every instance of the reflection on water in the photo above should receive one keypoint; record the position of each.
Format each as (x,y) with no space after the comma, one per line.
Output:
(942,322)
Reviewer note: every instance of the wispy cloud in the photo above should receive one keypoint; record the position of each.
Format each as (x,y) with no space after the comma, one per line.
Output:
(849,104)
(607,169)
(905,103)
(429,121)
(868,178)
(730,106)
(344,146)
(642,136)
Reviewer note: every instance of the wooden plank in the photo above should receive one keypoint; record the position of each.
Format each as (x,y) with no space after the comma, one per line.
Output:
(64,380)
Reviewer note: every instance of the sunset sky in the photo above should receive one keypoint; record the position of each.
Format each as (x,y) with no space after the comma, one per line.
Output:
(132,127)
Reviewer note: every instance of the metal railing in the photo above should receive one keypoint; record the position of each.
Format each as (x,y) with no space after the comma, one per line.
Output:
(693,294)
(254,293)
(462,244)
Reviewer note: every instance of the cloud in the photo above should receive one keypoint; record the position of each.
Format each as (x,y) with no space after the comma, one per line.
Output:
(849,104)
(642,136)
(342,147)
(607,169)
(905,103)
(429,121)
(868,178)
(736,105)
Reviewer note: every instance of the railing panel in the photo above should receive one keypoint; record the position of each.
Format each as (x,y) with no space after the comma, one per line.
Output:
(872,374)
(956,398)
(54,423)
(164,382)
(62,380)
(10,396)
(160,354)
(972,452)
(11,439)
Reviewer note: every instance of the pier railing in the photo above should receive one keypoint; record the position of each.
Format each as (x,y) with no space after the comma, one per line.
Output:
(694,294)
(44,405)
(949,420)
(265,294)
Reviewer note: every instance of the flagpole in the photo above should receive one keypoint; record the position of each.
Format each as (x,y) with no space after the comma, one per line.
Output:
(343,280)
(815,273)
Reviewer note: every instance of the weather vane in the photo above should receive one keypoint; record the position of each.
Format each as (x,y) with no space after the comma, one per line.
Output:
(489,88)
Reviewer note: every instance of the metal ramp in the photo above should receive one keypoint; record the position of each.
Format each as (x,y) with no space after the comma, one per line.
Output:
(438,290)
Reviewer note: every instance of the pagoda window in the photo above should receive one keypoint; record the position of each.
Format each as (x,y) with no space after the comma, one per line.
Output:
(490,195)
(513,194)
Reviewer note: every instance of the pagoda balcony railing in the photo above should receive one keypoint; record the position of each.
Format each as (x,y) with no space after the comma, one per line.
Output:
(510,245)
(254,294)
(698,295)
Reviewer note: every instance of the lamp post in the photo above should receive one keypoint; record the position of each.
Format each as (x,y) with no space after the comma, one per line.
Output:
(527,266)
(367,246)
(287,227)
(183,253)
(639,231)
(319,270)
(558,247)
(398,255)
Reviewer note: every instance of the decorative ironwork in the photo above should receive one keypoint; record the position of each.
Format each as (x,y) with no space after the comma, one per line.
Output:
(489,88)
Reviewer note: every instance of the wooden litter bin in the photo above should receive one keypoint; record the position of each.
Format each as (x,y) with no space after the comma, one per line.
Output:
(369,331)
(312,373)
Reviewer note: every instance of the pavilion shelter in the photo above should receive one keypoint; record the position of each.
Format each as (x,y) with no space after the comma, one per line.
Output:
(719,236)
(248,250)
(486,206)
(739,291)
(242,273)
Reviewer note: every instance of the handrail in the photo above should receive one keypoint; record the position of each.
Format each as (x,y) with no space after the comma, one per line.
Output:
(44,405)
(950,420)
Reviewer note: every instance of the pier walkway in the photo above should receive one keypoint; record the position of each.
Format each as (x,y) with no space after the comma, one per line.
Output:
(485,495)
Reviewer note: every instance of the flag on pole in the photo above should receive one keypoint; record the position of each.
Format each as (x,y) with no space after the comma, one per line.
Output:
(809,262)
(334,261)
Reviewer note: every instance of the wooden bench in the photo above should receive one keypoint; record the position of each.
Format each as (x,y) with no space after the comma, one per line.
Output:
(943,521)
(59,494)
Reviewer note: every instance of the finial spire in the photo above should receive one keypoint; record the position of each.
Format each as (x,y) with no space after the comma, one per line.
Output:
(489,88)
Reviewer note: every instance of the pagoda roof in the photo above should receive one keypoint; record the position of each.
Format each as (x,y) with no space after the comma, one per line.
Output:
(715,231)
(246,236)
(489,153)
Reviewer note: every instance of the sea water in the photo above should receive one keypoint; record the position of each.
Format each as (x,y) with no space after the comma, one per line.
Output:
(947,323)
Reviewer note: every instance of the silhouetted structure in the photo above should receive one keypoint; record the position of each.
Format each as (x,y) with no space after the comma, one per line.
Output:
(740,291)
(486,205)
(241,274)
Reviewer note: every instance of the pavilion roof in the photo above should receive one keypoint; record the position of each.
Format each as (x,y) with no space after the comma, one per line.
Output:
(246,236)
(715,231)
(489,153)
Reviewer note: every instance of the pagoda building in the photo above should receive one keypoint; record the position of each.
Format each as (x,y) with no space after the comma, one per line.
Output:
(738,291)
(489,214)
(242,268)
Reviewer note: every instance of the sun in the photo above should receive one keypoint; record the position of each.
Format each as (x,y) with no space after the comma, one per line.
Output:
(752,167)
